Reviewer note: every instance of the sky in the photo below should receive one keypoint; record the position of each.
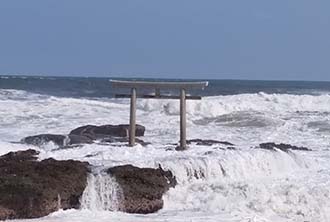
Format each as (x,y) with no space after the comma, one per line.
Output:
(211,39)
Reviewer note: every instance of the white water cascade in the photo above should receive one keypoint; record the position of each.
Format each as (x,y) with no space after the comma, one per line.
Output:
(102,193)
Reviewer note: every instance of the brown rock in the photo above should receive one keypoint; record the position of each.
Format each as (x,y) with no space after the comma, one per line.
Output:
(142,188)
(6,213)
(30,188)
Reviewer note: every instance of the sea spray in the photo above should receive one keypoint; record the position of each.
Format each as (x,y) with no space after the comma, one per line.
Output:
(258,182)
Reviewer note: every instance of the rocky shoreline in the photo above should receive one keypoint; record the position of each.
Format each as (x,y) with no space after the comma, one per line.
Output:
(32,188)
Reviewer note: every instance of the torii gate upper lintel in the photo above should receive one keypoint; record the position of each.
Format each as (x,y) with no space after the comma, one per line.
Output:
(157,86)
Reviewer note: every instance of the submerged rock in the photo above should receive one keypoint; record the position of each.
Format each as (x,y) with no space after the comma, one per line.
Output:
(60,140)
(86,135)
(142,188)
(31,188)
(281,146)
(41,139)
(202,142)
(104,131)
(123,140)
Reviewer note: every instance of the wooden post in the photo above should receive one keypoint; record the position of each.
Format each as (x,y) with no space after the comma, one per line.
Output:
(183,144)
(132,118)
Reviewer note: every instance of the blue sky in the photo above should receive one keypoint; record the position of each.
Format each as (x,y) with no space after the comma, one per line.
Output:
(233,39)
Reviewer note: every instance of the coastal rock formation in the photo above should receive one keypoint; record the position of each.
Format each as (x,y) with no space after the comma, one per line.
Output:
(104,131)
(31,188)
(281,146)
(88,134)
(60,140)
(142,188)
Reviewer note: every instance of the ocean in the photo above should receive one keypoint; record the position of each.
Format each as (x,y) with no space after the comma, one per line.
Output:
(259,185)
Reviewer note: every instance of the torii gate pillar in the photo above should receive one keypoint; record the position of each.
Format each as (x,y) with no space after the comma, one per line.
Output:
(183,123)
(132,118)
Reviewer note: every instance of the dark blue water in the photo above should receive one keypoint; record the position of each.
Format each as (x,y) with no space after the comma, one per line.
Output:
(101,87)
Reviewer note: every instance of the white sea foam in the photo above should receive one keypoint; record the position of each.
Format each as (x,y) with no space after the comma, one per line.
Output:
(214,183)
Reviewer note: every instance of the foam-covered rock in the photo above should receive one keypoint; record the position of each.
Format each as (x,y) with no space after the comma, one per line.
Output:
(281,146)
(104,131)
(208,142)
(60,140)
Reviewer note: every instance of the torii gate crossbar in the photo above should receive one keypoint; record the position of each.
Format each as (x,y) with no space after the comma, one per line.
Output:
(157,86)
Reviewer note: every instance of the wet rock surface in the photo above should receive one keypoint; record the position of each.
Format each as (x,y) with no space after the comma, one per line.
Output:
(88,134)
(201,142)
(104,131)
(282,146)
(142,188)
(60,140)
(31,188)
(40,139)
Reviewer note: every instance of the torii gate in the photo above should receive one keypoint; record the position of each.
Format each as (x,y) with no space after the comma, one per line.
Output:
(157,86)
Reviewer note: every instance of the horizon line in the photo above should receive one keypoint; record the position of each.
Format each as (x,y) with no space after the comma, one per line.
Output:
(140,77)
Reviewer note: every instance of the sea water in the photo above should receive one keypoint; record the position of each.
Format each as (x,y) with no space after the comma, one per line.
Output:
(214,183)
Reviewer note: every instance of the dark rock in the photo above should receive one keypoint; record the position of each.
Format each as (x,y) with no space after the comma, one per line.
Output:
(142,188)
(78,139)
(30,188)
(41,139)
(104,131)
(87,134)
(86,131)
(201,142)
(60,140)
(25,155)
(281,146)
(123,140)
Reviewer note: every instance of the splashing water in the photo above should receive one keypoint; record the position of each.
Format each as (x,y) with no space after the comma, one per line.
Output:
(102,193)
